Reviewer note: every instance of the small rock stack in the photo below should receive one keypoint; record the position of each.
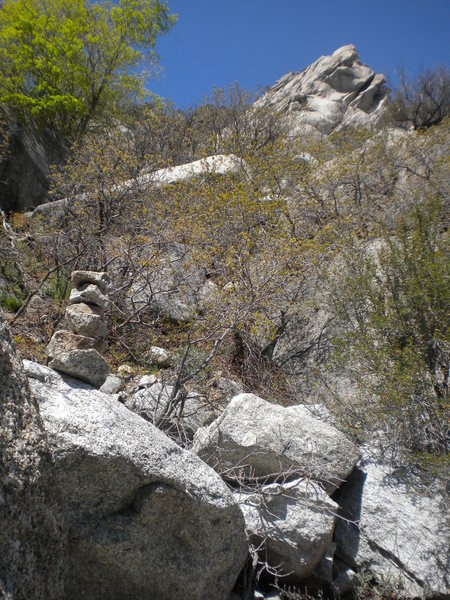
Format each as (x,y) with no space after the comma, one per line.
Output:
(78,352)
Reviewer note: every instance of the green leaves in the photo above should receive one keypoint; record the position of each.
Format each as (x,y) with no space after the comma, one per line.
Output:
(65,62)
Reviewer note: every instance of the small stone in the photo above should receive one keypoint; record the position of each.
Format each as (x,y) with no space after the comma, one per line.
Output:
(126,371)
(88,293)
(147,381)
(100,279)
(86,319)
(112,385)
(159,357)
(67,341)
(86,365)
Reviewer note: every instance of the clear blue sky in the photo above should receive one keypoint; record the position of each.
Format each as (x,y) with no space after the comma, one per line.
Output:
(255,42)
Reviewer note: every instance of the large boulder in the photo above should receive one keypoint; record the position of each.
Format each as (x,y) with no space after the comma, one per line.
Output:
(334,92)
(262,440)
(396,529)
(31,538)
(291,524)
(147,519)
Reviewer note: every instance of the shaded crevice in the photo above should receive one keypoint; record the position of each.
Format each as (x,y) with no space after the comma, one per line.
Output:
(395,561)
(133,506)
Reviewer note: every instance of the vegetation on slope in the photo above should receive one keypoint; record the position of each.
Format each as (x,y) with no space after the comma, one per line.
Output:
(259,236)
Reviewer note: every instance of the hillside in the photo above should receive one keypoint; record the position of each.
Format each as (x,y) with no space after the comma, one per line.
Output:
(234,325)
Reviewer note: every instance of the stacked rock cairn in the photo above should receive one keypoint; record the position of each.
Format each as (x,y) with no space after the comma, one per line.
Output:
(78,352)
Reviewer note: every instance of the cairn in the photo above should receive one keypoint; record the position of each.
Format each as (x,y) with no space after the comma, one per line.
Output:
(78,352)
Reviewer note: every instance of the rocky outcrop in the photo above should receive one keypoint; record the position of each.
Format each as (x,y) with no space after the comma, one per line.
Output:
(262,440)
(31,538)
(25,168)
(291,525)
(177,286)
(334,92)
(147,519)
(220,164)
(78,352)
(396,529)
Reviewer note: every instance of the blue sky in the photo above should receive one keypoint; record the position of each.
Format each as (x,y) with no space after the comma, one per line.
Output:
(255,42)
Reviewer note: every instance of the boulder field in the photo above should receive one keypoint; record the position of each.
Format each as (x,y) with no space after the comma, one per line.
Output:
(98,503)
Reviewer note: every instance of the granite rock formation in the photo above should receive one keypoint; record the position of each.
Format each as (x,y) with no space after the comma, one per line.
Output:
(147,519)
(334,92)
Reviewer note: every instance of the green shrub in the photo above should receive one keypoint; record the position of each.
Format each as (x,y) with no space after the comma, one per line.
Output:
(11,302)
(58,287)
(393,302)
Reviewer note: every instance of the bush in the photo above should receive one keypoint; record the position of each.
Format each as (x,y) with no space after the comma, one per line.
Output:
(423,102)
(393,302)
(12,294)
(58,287)
(11,302)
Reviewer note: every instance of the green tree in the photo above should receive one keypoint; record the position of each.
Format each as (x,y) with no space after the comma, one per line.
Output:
(66,62)
(393,300)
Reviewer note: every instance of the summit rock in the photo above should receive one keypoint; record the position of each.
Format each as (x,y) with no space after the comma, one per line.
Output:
(334,92)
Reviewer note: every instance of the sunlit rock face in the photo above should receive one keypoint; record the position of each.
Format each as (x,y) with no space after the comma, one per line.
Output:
(334,92)
(146,518)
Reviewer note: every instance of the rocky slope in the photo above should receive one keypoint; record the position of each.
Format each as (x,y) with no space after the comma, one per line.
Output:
(147,519)
(250,485)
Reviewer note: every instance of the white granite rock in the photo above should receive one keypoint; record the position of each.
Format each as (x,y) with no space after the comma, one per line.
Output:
(147,381)
(65,341)
(147,519)
(88,294)
(291,524)
(158,356)
(261,439)
(335,91)
(112,385)
(394,529)
(99,278)
(152,403)
(87,365)
(86,319)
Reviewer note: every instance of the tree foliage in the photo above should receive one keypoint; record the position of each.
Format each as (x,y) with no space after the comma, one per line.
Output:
(66,62)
